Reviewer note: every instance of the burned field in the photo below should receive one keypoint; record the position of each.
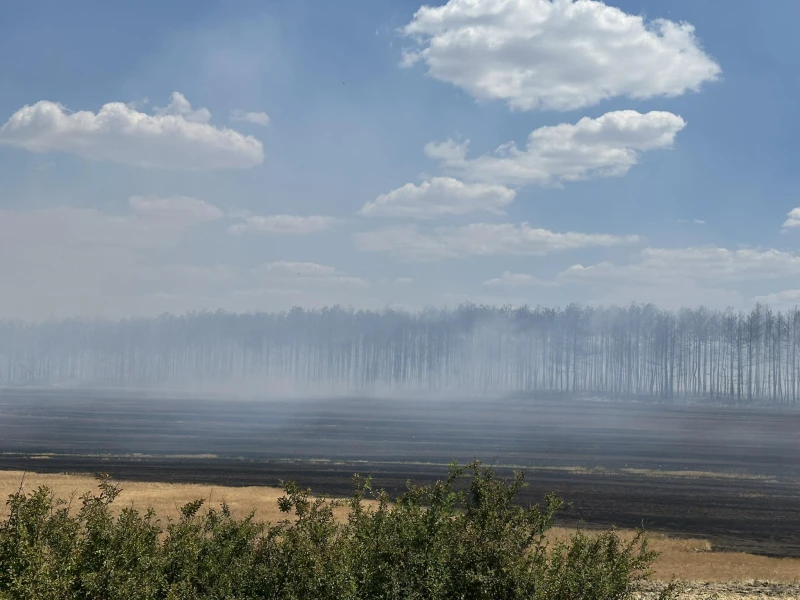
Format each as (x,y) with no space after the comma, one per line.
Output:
(729,474)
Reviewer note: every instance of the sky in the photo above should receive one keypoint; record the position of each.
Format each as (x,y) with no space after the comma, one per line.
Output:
(255,156)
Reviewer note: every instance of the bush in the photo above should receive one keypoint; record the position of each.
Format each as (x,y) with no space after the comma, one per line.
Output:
(442,541)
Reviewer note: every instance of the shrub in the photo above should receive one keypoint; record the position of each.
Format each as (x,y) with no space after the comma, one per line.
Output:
(441,541)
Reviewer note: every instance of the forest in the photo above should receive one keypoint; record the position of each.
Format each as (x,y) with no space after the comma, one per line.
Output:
(635,351)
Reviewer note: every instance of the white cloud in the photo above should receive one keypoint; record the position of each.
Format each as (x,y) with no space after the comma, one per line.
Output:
(306,269)
(175,137)
(396,281)
(673,277)
(181,209)
(479,239)
(607,146)
(784,299)
(287,274)
(256,118)
(141,103)
(692,221)
(437,197)
(283,224)
(659,266)
(556,54)
(792,219)
(509,279)
(179,106)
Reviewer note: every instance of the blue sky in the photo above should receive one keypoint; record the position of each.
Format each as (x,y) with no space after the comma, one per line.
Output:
(265,155)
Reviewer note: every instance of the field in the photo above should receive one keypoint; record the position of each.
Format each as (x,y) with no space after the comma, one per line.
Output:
(728,475)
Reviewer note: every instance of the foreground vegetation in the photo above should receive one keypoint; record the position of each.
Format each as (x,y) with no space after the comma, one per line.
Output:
(691,560)
(464,537)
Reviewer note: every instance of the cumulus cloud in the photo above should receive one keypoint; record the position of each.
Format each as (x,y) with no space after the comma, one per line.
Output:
(175,137)
(437,197)
(509,279)
(256,118)
(556,54)
(480,239)
(792,219)
(607,146)
(283,224)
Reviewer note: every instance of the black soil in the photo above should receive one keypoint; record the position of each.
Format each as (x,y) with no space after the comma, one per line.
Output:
(729,474)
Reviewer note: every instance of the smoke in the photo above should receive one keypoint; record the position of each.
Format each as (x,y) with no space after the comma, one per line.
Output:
(632,351)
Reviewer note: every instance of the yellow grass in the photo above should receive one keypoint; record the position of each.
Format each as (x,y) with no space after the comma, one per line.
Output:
(696,474)
(684,559)
(165,498)
(695,560)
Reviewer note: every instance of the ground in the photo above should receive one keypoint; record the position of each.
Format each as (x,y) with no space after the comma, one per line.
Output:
(726,475)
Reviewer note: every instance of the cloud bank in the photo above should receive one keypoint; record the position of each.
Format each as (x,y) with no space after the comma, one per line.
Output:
(480,239)
(283,224)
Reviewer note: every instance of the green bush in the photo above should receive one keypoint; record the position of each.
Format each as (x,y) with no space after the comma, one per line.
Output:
(442,541)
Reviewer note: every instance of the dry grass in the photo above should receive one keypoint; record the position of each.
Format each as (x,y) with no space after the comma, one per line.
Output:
(697,475)
(695,560)
(165,498)
(573,469)
(684,559)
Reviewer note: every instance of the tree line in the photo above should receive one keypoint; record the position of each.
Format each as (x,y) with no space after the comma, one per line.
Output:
(638,350)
